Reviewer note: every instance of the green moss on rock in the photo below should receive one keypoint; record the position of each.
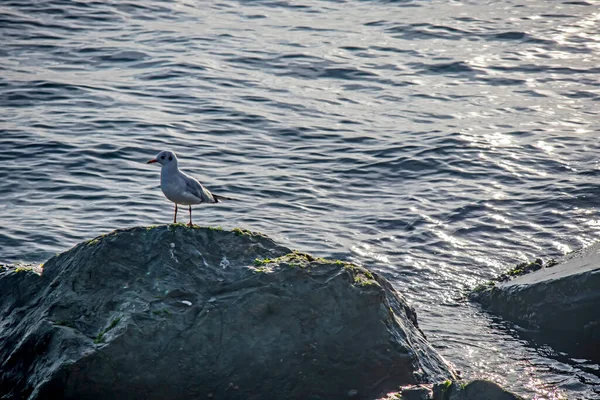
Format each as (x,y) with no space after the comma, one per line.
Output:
(163,312)
(516,271)
(360,276)
(100,337)
(92,242)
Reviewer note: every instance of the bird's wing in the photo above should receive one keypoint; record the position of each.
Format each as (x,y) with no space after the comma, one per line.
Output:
(196,189)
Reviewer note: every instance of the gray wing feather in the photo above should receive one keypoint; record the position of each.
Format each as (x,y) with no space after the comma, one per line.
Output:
(195,188)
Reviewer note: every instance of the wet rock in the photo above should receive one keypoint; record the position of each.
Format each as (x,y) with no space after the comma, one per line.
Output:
(176,313)
(474,390)
(557,305)
(480,389)
(453,390)
(416,392)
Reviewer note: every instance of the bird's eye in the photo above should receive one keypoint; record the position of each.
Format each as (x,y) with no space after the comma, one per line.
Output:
(170,158)
(162,157)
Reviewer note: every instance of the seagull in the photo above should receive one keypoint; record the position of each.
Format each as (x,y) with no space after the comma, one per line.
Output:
(181,188)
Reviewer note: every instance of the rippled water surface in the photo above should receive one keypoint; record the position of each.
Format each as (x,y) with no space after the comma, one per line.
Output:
(438,142)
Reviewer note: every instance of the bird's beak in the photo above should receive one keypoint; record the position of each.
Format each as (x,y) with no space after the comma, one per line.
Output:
(152,161)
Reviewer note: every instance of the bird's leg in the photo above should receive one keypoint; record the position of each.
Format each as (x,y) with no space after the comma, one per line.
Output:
(175,216)
(190,224)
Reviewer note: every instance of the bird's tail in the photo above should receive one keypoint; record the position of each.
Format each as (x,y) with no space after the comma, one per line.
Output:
(219,198)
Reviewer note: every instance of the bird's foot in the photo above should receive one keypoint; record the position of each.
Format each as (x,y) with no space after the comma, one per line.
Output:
(190,224)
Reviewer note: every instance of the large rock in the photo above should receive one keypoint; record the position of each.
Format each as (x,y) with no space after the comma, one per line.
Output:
(177,313)
(558,305)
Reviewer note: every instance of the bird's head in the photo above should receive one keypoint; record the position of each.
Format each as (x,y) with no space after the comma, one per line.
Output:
(164,158)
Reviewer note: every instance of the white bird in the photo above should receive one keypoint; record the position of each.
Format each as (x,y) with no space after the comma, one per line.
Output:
(181,188)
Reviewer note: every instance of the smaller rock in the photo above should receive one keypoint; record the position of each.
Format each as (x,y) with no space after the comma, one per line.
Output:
(556,304)
(442,391)
(452,390)
(416,392)
(479,390)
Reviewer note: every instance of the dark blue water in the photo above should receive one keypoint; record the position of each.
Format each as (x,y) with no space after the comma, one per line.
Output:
(438,142)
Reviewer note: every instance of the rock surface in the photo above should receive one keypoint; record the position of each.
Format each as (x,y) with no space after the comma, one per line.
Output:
(474,390)
(171,312)
(557,305)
